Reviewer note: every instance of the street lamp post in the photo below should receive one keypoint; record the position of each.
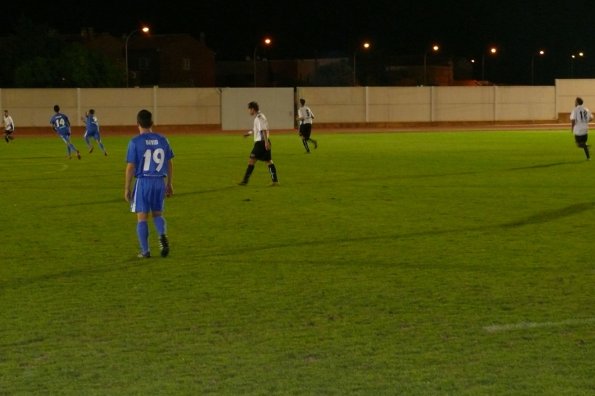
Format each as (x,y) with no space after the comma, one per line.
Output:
(267,41)
(493,51)
(540,53)
(572,58)
(144,29)
(435,48)
(365,45)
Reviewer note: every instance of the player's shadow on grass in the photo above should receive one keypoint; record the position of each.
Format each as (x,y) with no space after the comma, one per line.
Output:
(466,173)
(538,218)
(12,159)
(114,266)
(88,203)
(212,190)
(121,200)
(65,177)
(550,215)
(551,165)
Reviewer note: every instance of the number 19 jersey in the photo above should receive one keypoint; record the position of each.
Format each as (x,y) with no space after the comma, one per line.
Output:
(149,152)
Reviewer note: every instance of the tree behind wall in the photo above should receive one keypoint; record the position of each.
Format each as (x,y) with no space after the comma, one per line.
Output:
(37,57)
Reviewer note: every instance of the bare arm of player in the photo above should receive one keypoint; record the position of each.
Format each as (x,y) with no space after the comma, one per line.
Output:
(267,142)
(128,181)
(169,188)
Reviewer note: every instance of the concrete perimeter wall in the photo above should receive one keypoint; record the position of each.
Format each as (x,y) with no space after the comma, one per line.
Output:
(226,108)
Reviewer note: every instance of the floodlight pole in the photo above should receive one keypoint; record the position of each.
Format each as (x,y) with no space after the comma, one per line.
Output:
(365,46)
(144,30)
(254,62)
(435,48)
(265,42)
(354,64)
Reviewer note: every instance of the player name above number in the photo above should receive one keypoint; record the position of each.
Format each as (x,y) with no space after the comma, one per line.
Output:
(153,142)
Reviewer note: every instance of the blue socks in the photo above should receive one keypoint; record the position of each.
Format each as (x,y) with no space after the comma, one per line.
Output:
(142,231)
(160,225)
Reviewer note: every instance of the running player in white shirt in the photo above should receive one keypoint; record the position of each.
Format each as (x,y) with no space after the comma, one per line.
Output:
(579,120)
(305,117)
(8,127)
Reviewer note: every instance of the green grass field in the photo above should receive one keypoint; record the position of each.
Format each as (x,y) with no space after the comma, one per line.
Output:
(455,263)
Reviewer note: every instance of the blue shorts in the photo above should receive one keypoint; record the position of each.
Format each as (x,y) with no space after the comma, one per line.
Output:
(65,137)
(92,134)
(148,195)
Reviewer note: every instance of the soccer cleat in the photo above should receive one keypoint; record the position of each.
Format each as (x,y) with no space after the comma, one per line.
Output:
(144,255)
(315,144)
(274,184)
(78,154)
(6,138)
(91,149)
(105,153)
(243,183)
(164,245)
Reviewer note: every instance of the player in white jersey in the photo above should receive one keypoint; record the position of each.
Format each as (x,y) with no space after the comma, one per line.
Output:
(262,145)
(579,120)
(305,117)
(8,127)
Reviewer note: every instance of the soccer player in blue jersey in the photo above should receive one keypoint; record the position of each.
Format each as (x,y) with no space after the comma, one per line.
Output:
(92,131)
(61,124)
(149,159)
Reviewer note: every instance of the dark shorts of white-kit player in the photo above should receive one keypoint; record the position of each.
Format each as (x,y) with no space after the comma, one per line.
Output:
(306,130)
(581,139)
(260,152)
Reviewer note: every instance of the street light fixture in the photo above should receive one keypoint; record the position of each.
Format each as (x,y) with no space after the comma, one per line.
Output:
(539,53)
(266,42)
(365,46)
(435,48)
(492,51)
(144,29)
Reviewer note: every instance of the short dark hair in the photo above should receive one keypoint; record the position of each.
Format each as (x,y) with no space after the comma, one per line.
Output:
(92,111)
(303,101)
(253,105)
(145,119)
(56,108)
(579,100)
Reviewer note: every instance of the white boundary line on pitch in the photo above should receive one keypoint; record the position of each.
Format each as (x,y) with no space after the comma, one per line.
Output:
(534,325)
(63,168)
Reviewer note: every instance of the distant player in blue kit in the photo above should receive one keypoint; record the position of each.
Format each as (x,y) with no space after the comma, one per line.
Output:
(149,159)
(61,124)
(92,131)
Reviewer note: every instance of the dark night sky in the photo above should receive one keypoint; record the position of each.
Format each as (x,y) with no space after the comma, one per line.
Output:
(306,29)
